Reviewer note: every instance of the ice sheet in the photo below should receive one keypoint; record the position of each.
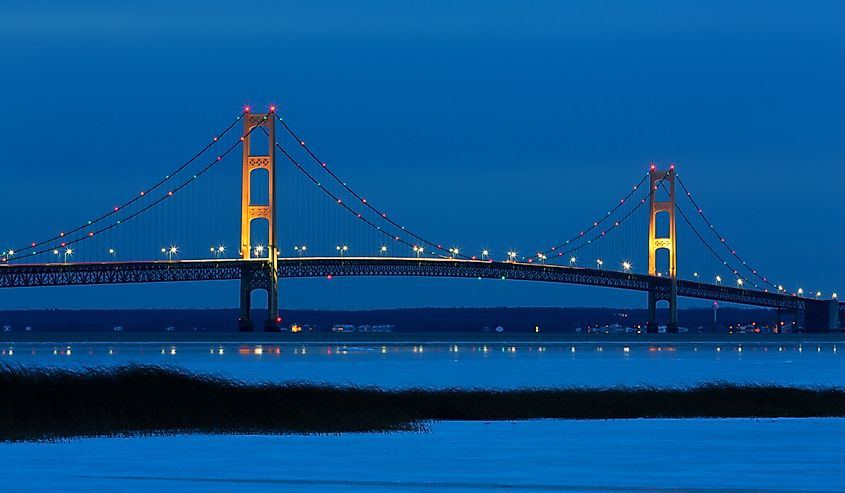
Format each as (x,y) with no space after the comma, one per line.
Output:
(725,455)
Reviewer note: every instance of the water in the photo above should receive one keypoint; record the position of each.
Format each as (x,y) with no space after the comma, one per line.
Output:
(660,455)
(490,365)
(737,456)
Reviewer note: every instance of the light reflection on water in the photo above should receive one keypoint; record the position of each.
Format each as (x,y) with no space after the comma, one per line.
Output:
(494,365)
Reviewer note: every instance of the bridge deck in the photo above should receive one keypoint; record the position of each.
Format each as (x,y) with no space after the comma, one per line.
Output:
(59,274)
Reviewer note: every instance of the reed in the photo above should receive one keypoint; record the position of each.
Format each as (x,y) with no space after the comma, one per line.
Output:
(50,403)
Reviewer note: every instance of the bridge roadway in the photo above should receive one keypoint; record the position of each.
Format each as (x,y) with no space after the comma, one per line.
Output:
(66,274)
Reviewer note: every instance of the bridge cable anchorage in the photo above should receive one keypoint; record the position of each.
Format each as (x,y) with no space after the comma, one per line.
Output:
(337,199)
(722,238)
(616,224)
(141,195)
(363,200)
(706,244)
(137,213)
(595,224)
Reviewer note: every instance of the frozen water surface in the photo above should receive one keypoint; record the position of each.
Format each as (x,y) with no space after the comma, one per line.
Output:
(493,365)
(629,455)
(738,455)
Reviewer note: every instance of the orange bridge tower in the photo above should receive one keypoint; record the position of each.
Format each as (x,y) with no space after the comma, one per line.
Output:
(661,289)
(265,279)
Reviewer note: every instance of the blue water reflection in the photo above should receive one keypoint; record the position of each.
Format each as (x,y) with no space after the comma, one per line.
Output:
(493,365)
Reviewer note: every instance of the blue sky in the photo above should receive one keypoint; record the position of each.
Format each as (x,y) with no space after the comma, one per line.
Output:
(483,123)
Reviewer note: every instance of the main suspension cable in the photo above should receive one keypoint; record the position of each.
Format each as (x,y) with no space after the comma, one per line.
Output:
(137,213)
(595,223)
(360,198)
(338,200)
(706,243)
(722,238)
(614,226)
(140,196)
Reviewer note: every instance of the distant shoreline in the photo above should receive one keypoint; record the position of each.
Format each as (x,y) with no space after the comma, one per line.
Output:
(432,320)
(410,338)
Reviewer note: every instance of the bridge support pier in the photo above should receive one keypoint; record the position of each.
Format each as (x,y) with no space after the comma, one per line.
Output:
(661,293)
(798,322)
(245,317)
(266,279)
(273,322)
(651,325)
(821,316)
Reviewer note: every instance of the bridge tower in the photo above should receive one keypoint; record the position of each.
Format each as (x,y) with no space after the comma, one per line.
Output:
(661,289)
(266,279)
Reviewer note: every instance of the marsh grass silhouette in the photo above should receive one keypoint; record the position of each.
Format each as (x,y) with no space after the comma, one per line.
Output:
(50,403)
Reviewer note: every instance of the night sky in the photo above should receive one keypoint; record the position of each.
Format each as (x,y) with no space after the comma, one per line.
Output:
(485,123)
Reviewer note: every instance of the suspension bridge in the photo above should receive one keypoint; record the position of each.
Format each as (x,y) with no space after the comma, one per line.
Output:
(197,202)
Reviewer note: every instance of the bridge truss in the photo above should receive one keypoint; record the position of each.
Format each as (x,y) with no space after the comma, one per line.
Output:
(259,272)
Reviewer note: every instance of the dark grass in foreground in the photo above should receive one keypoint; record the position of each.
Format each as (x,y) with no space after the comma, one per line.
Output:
(38,404)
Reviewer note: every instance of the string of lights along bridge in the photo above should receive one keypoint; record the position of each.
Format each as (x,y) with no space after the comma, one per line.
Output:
(192,224)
